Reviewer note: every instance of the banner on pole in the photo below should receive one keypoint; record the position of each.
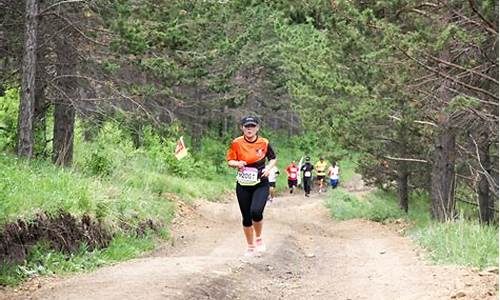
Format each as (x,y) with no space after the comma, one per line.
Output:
(180,149)
(299,179)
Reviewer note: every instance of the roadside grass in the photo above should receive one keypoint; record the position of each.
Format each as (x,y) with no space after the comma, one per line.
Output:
(45,261)
(32,187)
(463,242)
(28,188)
(344,205)
(110,181)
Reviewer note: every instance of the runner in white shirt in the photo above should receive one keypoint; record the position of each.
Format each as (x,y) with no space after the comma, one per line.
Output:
(273,173)
(334,173)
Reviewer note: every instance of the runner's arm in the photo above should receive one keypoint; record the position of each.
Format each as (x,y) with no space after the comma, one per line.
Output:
(236,163)
(271,156)
(271,164)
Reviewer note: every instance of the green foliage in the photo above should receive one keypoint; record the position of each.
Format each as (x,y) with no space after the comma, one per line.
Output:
(98,164)
(461,242)
(9,109)
(344,206)
(374,207)
(32,187)
(45,261)
(383,208)
(343,66)
(153,167)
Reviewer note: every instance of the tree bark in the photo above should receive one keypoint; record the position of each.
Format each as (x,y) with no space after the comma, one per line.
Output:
(403,173)
(25,139)
(41,104)
(137,134)
(225,121)
(40,124)
(485,212)
(64,110)
(443,174)
(443,165)
(403,185)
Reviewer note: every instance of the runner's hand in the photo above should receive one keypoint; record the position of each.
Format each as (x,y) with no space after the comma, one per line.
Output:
(241,164)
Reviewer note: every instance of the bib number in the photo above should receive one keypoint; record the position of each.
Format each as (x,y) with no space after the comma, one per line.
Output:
(293,175)
(307,174)
(248,176)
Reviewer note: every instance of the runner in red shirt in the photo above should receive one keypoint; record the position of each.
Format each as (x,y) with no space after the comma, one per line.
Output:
(293,173)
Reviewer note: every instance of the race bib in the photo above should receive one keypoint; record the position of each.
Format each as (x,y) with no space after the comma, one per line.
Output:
(248,176)
(307,174)
(293,175)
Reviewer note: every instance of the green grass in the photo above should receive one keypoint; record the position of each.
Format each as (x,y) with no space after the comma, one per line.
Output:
(113,182)
(462,242)
(45,261)
(137,175)
(31,187)
(28,188)
(344,206)
(347,169)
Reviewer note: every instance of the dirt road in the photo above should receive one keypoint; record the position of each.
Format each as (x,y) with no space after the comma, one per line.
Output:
(309,257)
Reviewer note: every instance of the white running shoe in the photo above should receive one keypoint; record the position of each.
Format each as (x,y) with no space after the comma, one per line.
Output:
(250,252)
(260,246)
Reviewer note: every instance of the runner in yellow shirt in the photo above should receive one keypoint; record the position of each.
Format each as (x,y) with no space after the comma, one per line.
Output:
(321,167)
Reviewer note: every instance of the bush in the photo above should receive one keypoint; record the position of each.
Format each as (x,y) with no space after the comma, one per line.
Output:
(383,207)
(9,107)
(460,242)
(344,206)
(98,164)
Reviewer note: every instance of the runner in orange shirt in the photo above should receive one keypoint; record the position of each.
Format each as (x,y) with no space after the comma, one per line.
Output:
(248,153)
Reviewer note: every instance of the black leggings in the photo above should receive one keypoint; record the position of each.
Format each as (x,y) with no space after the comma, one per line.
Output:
(307,184)
(252,200)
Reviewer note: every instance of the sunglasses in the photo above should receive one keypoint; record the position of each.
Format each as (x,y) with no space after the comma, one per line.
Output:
(250,126)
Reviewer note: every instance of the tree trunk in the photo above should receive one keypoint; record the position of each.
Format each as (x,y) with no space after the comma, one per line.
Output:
(443,165)
(443,174)
(40,123)
(25,140)
(403,185)
(225,121)
(402,180)
(485,213)
(91,120)
(137,135)
(64,110)
(41,104)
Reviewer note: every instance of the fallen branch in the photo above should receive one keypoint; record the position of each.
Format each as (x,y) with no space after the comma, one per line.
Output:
(406,159)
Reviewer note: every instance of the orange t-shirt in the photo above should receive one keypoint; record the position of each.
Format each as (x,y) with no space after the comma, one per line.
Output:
(253,153)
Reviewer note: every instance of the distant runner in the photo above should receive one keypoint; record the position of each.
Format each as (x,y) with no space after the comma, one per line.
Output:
(334,173)
(248,153)
(307,169)
(320,167)
(293,173)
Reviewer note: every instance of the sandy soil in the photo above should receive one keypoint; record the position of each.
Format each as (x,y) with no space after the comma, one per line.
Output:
(309,256)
